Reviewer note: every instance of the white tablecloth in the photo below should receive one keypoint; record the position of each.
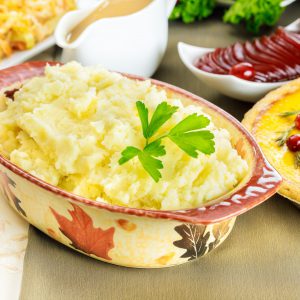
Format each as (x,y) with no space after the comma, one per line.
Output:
(13,242)
(13,236)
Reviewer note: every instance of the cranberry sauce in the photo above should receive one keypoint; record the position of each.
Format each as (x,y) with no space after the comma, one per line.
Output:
(267,59)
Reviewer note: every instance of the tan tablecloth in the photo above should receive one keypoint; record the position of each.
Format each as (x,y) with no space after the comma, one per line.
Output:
(260,259)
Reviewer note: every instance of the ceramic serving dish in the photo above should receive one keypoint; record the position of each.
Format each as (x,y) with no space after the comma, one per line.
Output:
(137,237)
(228,85)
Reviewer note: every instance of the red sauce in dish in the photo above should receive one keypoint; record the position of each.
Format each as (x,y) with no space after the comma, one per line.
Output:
(267,59)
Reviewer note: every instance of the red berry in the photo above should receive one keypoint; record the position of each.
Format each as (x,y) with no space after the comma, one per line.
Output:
(297,122)
(243,70)
(293,143)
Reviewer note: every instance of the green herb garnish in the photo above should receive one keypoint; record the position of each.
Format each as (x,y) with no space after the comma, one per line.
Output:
(187,135)
(297,160)
(284,135)
(254,13)
(192,10)
(289,113)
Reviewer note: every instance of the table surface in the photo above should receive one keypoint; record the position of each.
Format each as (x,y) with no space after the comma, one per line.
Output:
(13,242)
(259,261)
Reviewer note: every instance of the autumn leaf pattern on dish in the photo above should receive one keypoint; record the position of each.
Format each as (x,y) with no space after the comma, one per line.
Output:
(194,241)
(6,183)
(84,236)
(219,232)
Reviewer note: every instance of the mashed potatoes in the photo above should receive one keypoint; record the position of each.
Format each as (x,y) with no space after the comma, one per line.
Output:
(70,127)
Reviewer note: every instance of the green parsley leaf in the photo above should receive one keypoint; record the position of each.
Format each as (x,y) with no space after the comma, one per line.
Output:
(161,115)
(128,154)
(187,135)
(190,123)
(194,141)
(151,165)
(143,114)
(155,149)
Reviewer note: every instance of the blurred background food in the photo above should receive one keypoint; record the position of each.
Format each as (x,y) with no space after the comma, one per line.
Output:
(24,23)
(253,13)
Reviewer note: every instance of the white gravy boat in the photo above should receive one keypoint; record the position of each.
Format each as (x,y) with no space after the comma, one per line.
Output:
(132,44)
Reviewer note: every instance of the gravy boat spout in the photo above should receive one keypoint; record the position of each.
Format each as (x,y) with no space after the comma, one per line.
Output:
(69,22)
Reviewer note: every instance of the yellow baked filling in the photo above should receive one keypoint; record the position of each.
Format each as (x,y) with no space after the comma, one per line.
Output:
(269,127)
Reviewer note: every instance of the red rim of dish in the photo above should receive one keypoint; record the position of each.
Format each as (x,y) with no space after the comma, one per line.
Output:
(263,183)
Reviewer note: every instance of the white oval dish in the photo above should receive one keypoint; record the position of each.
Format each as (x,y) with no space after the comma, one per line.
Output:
(228,85)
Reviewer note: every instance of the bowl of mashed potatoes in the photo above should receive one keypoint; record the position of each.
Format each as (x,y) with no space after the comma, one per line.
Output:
(62,132)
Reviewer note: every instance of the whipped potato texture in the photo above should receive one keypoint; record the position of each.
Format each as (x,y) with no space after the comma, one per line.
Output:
(70,126)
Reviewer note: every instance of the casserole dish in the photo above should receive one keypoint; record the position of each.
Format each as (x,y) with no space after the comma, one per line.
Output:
(129,236)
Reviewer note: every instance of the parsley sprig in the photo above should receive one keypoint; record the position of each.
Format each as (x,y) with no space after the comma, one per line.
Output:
(188,135)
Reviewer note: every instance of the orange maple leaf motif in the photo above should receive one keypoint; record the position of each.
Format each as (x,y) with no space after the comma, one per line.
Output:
(84,236)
